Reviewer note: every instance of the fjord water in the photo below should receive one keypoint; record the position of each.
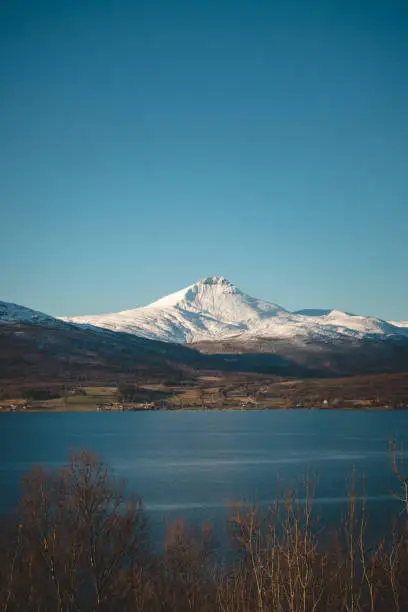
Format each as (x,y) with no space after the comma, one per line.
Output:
(193,464)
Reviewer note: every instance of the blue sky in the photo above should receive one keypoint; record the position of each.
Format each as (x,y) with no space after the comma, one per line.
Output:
(147,144)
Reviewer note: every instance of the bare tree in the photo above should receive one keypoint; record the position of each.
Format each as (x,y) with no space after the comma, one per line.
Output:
(81,538)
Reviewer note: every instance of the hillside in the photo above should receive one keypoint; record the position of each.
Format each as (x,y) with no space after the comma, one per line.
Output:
(37,349)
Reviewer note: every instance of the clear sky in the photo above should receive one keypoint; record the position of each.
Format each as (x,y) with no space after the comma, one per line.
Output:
(147,144)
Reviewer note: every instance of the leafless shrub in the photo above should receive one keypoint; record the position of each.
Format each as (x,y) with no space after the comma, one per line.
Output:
(281,566)
(188,582)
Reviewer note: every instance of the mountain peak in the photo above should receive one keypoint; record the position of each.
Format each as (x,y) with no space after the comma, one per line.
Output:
(204,295)
(215,280)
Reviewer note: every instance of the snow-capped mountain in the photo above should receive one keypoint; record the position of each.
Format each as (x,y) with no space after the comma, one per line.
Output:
(215,309)
(14,313)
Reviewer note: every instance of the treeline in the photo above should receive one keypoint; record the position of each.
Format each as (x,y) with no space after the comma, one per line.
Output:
(80,544)
(40,394)
(133,393)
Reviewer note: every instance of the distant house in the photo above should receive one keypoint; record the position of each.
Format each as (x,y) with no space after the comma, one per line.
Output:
(249,401)
(13,406)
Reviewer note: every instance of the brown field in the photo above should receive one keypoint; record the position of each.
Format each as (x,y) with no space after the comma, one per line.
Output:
(228,392)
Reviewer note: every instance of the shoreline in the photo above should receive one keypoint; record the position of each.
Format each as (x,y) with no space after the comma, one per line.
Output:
(44,410)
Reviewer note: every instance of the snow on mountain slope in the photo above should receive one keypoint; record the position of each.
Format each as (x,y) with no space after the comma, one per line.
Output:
(14,313)
(211,308)
(215,309)
(333,324)
(402,326)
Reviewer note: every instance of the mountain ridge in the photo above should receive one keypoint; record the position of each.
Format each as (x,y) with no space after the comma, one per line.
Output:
(36,347)
(214,308)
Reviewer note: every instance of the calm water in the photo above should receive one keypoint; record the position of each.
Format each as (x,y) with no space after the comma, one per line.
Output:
(194,463)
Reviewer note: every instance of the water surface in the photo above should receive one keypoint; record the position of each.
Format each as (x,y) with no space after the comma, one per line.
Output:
(195,463)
